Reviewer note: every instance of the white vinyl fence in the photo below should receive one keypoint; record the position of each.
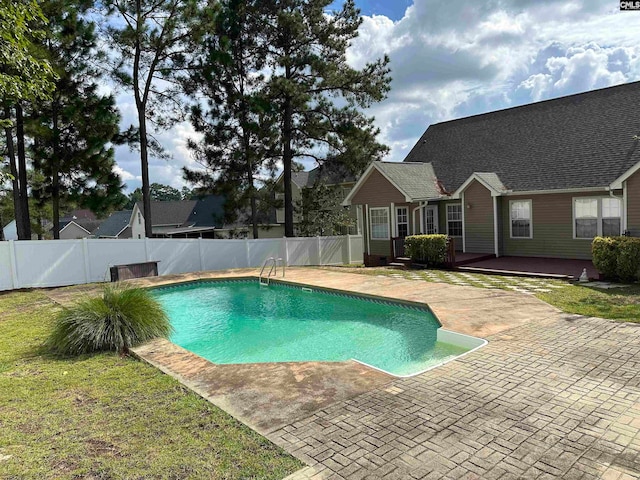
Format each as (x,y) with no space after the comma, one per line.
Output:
(55,263)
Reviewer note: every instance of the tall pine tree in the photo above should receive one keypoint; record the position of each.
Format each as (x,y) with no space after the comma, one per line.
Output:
(318,95)
(74,130)
(23,77)
(150,44)
(236,123)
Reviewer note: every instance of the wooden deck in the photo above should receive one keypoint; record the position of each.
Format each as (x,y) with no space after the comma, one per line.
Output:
(529,266)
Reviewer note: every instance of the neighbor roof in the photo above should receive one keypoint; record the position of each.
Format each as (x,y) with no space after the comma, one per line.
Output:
(577,141)
(114,224)
(170,212)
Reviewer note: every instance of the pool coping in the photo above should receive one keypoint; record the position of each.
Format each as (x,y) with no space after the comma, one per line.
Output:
(346,293)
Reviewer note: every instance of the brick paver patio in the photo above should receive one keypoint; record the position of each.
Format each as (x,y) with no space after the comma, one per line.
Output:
(557,399)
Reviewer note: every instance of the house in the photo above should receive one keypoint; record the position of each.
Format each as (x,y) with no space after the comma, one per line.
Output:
(537,180)
(337,178)
(78,224)
(10,231)
(200,218)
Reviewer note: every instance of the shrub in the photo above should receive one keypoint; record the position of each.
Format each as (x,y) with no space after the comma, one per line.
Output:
(629,259)
(121,318)
(428,249)
(605,255)
(617,257)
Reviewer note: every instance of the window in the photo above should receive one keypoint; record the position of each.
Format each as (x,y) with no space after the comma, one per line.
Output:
(379,219)
(520,217)
(611,217)
(139,218)
(402,221)
(454,220)
(597,216)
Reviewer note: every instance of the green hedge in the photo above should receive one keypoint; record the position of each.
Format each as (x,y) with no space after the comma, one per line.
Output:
(617,257)
(428,249)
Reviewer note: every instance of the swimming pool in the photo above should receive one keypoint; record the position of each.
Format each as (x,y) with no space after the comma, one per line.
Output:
(240,321)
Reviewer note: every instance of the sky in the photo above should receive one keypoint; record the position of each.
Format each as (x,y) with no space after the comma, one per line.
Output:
(453,59)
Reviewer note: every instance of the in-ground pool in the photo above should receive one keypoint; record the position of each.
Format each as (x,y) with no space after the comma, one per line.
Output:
(242,322)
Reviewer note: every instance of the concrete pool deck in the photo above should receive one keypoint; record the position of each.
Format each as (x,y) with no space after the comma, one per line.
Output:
(552,395)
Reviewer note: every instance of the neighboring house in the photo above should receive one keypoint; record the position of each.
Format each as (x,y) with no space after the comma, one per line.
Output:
(78,224)
(10,231)
(342,181)
(122,224)
(176,218)
(538,180)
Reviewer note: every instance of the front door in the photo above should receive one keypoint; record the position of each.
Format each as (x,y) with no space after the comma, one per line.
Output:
(431,219)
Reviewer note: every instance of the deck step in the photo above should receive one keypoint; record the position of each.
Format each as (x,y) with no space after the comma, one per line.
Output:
(400,265)
(514,273)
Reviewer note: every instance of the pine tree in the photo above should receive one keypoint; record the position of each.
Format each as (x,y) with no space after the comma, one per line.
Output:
(23,77)
(74,130)
(237,125)
(149,40)
(309,80)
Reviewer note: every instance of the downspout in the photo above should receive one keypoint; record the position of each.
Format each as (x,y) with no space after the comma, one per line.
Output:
(623,202)
(495,226)
(413,217)
(421,206)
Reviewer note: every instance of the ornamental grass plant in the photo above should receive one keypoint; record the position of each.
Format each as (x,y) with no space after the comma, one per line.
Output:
(121,318)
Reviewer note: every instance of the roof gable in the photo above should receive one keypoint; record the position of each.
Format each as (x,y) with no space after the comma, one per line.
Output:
(414,181)
(113,225)
(579,141)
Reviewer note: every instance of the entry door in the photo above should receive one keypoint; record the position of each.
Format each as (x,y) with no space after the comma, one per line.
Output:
(431,219)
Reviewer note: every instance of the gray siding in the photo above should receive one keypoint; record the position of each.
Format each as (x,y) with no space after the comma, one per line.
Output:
(552,219)
(633,202)
(478,220)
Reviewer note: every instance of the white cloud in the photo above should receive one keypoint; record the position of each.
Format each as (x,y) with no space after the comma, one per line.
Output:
(454,59)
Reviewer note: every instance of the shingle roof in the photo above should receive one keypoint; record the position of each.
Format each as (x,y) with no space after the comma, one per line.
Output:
(113,224)
(207,212)
(170,212)
(583,140)
(329,174)
(301,179)
(493,180)
(417,180)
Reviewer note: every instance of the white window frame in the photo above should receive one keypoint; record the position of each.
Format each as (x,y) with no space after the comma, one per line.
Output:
(386,210)
(461,218)
(402,223)
(530,202)
(599,217)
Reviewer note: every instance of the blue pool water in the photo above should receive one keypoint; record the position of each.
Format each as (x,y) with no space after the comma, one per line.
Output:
(242,322)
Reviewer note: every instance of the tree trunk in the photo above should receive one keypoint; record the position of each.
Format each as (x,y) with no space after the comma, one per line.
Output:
(55,174)
(287,160)
(17,205)
(144,164)
(22,173)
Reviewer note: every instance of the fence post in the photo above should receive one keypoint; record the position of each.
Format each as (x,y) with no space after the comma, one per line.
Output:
(248,251)
(85,256)
(286,250)
(319,250)
(146,249)
(14,262)
(201,254)
(348,248)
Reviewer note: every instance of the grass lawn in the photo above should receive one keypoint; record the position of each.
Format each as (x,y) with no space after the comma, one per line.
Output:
(617,303)
(102,416)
